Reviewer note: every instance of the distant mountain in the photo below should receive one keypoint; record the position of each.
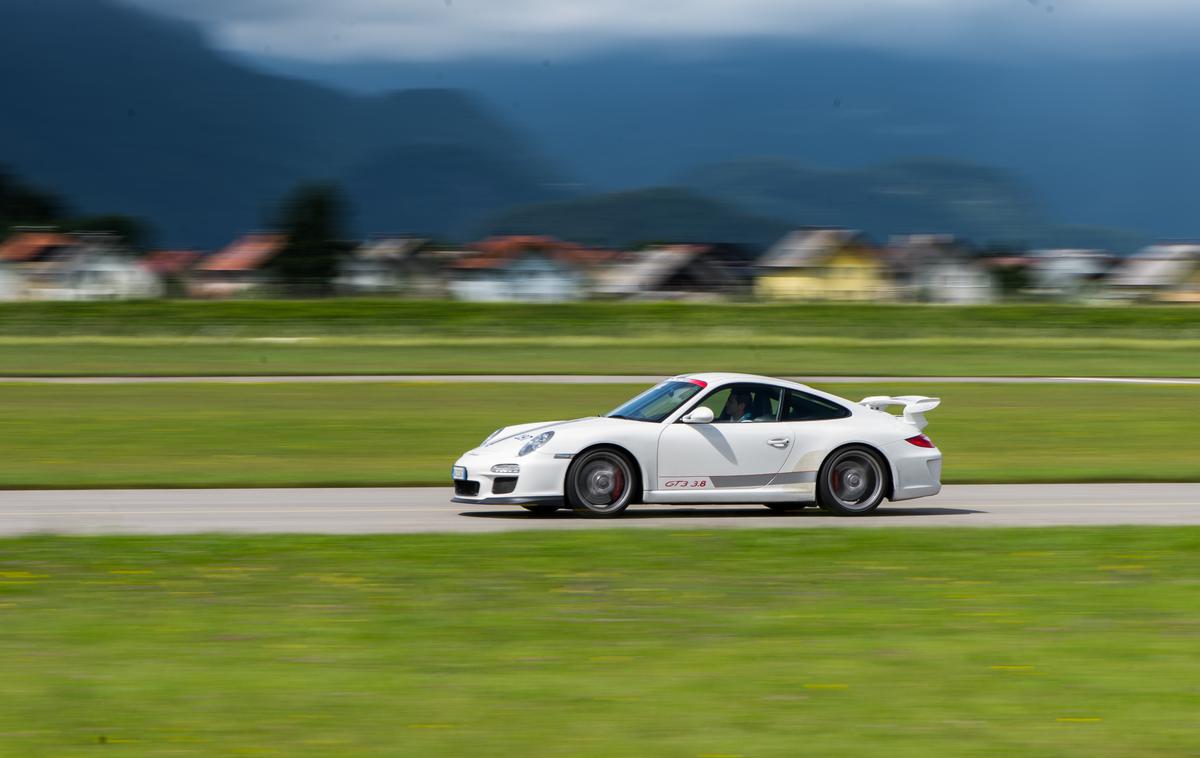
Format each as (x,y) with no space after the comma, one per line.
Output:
(120,111)
(896,198)
(755,201)
(435,190)
(622,219)
(1103,139)
(982,204)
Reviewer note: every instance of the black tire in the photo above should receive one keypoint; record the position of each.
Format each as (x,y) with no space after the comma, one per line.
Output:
(852,481)
(541,510)
(600,483)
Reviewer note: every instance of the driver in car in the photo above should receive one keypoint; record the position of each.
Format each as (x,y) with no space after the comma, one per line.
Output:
(737,407)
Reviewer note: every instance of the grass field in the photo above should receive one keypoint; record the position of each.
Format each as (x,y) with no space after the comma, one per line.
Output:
(374,337)
(1050,642)
(395,434)
(814,356)
(417,318)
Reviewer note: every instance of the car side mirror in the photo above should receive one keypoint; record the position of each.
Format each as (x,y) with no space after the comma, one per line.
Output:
(701,415)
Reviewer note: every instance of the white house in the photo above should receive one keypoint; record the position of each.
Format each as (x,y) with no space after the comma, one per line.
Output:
(938,268)
(1067,273)
(533,276)
(395,266)
(52,266)
(525,269)
(12,285)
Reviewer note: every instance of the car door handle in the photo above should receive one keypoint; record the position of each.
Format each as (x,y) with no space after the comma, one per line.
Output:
(779,442)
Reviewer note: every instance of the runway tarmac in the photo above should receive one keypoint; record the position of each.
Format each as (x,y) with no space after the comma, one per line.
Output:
(427,509)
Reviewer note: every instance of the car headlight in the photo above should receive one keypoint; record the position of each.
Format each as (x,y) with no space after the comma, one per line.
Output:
(535,443)
(490,437)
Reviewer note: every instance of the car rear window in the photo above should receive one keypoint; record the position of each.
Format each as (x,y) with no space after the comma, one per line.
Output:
(801,406)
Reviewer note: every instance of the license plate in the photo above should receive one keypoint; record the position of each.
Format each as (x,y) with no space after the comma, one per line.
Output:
(458,472)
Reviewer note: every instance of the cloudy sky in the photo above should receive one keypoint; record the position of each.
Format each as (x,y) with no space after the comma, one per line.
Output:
(358,30)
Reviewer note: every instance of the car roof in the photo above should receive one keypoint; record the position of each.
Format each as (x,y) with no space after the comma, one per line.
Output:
(717,378)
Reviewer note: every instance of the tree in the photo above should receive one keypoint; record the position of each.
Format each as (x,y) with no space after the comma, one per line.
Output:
(311,220)
(133,232)
(22,204)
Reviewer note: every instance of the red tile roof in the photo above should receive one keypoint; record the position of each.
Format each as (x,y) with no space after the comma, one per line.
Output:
(28,246)
(498,252)
(169,261)
(244,254)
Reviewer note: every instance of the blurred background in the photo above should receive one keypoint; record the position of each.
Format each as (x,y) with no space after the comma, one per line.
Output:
(1012,149)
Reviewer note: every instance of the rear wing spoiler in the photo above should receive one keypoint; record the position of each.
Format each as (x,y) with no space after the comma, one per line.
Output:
(915,407)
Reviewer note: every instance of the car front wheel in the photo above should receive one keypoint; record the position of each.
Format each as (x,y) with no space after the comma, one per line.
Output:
(851,482)
(600,483)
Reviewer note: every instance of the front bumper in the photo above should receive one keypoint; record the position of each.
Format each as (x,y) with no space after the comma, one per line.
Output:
(531,500)
(539,482)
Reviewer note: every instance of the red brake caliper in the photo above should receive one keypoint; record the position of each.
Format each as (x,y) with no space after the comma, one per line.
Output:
(618,483)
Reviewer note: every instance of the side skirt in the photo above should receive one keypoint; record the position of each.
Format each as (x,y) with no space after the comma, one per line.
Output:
(804,493)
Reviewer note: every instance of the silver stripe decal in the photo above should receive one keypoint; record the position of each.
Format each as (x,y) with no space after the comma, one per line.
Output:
(762,480)
(795,477)
(744,480)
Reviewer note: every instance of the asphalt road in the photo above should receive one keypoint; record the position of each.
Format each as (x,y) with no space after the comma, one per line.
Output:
(411,510)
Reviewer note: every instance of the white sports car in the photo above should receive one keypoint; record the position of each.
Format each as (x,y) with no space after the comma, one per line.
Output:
(712,438)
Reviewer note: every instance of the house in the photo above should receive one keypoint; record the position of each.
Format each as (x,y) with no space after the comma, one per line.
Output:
(1011,269)
(406,266)
(525,269)
(172,268)
(938,268)
(56,266)
(12,286)
(1068,274)
(1165,273)
(237,268)
(823,264)
(35,246)
(678,272)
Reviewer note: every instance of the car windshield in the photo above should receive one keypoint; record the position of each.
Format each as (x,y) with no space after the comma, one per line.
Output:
(658,402)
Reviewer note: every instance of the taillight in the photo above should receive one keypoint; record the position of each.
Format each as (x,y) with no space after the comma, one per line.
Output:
(920,441)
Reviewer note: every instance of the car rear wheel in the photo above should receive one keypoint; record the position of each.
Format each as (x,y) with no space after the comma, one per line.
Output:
(600,483)
(851,482)
(541,510)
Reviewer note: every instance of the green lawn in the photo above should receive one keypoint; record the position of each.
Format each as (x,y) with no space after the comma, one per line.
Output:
(393,434)
(373,337)
(417,318)
(1051,642)
(796,356)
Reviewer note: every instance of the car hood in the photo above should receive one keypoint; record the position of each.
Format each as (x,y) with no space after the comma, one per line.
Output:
(568,435)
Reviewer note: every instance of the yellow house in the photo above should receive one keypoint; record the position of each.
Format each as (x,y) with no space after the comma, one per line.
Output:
(822,264)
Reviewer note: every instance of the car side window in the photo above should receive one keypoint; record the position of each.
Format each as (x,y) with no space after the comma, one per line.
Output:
(801,406)
(744,403)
